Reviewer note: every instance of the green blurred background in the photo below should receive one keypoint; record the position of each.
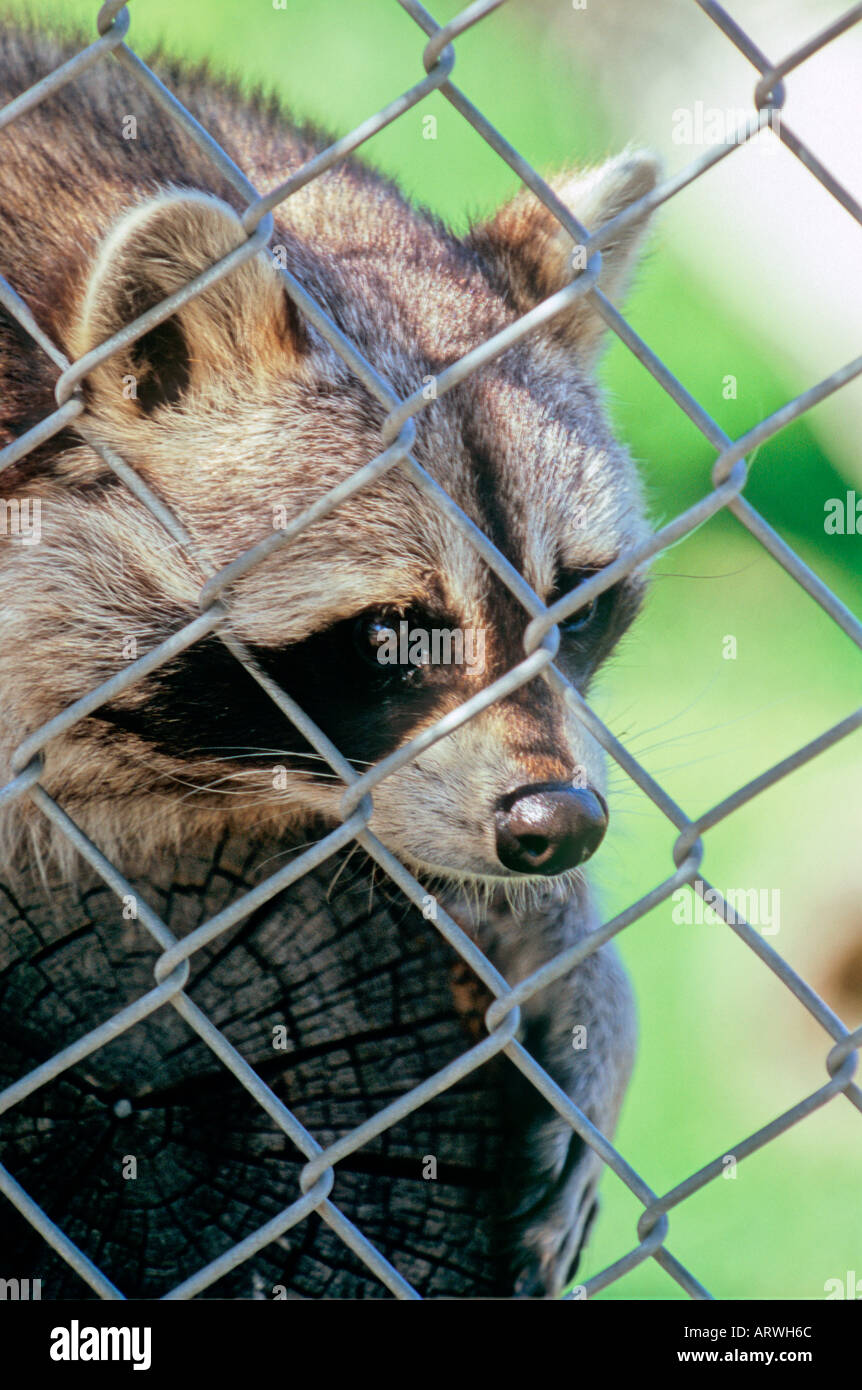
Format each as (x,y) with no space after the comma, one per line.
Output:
(724,1046)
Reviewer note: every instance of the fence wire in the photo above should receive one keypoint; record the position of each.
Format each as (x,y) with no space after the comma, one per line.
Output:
(541,639)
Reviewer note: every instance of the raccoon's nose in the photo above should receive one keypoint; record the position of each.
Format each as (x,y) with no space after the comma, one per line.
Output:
(549,827)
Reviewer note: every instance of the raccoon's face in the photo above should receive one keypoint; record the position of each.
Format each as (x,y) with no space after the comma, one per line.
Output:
(380,618)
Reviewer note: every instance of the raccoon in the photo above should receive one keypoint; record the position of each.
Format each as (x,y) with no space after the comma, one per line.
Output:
(237,414)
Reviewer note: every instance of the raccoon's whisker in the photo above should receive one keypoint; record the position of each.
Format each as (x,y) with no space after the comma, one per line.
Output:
(216,784)
(282,854)
(184,782)
(713,728)
(319,776)
(180,781)
(692,762)
(39,860)
(242,754)
(483,892)
(196,789)
(252,751)
(262,753)
(673,767)
(645,750)
(228,777)
(374,867)
(363,866)
(342,866)
(679,714)
(250,805)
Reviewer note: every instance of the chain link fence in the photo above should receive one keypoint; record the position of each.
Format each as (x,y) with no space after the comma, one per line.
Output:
(540,644)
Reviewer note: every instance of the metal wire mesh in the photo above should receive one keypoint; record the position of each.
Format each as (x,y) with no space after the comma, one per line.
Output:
(540,643)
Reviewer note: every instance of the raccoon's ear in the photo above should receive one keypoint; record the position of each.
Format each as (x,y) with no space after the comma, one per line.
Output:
(237,325)
(531,254)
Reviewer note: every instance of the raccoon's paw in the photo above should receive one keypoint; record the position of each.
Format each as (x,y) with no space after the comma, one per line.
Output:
(548,1228)
(581,1031)
(550,1172)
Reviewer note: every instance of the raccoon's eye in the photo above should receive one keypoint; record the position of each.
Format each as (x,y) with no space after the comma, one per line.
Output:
(582,619)
(371,632)
(378,637)
(567,582)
